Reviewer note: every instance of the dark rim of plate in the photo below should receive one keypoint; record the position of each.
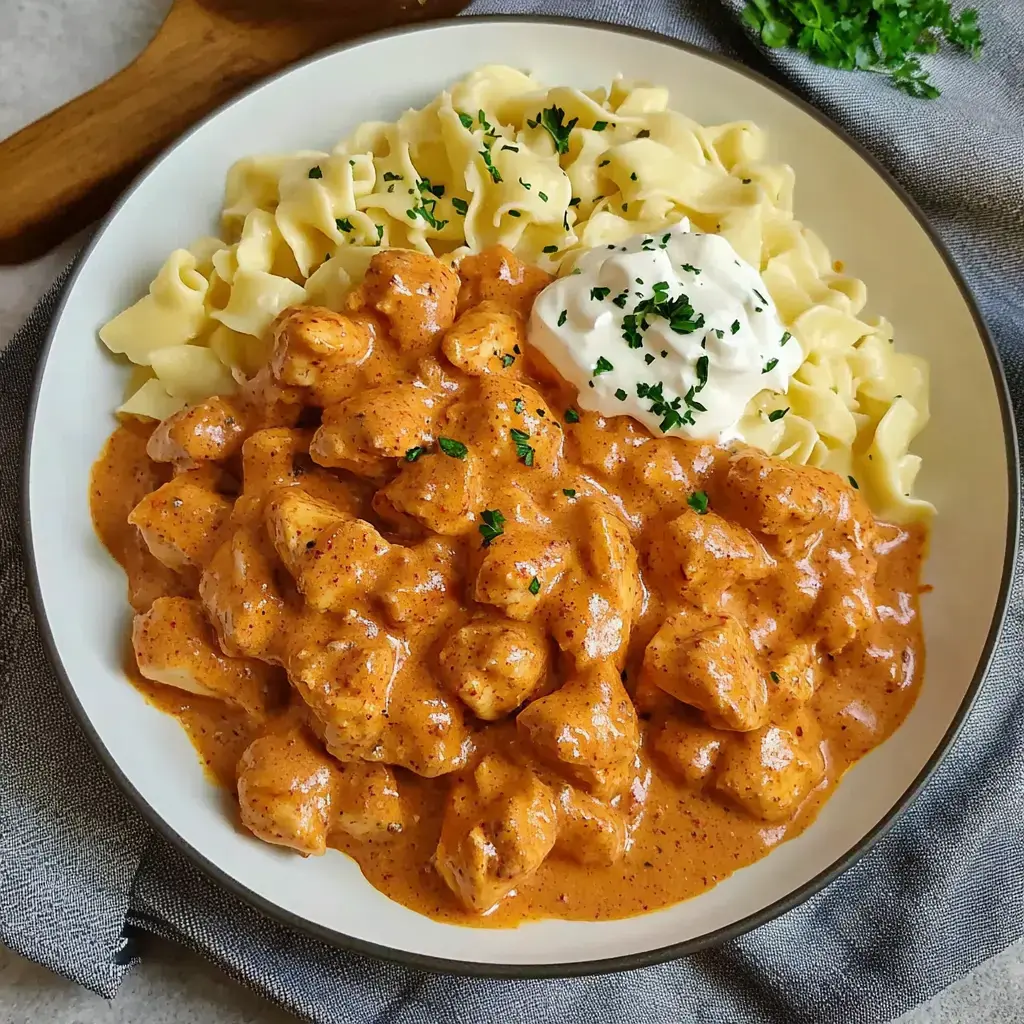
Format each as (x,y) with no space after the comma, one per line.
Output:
(646,957)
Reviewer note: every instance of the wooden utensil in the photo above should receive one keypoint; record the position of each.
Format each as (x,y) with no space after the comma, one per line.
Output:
(205,52)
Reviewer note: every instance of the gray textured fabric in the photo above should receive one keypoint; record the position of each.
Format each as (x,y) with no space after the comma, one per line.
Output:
(942,891)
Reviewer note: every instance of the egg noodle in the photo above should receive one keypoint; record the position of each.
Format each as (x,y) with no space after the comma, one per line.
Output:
(548,173)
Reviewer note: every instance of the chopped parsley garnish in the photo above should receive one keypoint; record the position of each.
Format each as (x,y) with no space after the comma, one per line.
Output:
(534,586)
(572,416)
(621,299)
(516,349)
(770,365)
(603,366)
(702,372)
(550,248)
(343,224)
(643,134)
(599,294)
(380,233)
(391,176)
(853,483)
(604,163)
(540,413)
(315,172)
(429,194)
(424,185)
(631,331)
(414,453)
(774,676)
(494,172)
(777,414)
(518,406)
(569,492)
(523,450)
(648,359)
(621,395)
(625,207)
(543,196)
(599,126)
(482,118)
(690,267)
(452,448)
(525,184)
(761,298)
(466,119)
(785,338)
(492,525)
(514,213)
(551,120)
(507,360)
(632,177)
(562,317)
(734,327)
(746,181)
(461,206)
(514,149)
(719,334)
(698,501)
(575,201)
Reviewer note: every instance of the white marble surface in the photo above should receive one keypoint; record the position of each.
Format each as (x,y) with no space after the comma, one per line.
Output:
(51,50)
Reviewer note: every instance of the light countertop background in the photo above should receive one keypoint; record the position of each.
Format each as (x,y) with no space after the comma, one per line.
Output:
(51,50)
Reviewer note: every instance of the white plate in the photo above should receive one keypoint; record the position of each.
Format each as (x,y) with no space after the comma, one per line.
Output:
(969,473)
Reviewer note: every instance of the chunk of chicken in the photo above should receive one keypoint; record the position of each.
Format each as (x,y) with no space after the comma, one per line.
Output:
(512,561)
(425,731)
(415,293)
(485,338)
(345,674)
(710,664)
(367,432)
(795,674)
(768,773)
(708,552)
(284,792)
(589,831)
(592,613)
(268,461)
(439,493)
(493,665)
(508,424)
(499,276)
(367,804)
(418,584)
(688,748)
(241,597)
(175,645)
(209,431)
(181,521)
(588,728)
(334,559)
(320,350)
(499,825)
(844,607)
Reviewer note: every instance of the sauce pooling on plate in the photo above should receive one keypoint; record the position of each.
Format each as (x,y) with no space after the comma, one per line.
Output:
(518,659)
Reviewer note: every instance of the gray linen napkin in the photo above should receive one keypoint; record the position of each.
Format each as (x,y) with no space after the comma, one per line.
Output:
(941,892)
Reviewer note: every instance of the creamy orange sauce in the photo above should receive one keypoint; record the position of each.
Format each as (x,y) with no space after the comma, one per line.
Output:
(601,704)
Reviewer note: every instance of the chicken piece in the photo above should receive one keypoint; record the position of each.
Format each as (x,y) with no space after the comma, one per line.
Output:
(499,825)
(319,350)
(497,275)
(493,665)
(175,645)
(367,432)
(241,597)
(844,607)
(284,792)
(665,471)
(768,773)
(366,802)
(708,551)
(268,461)
(709,663)
(771,496)
(334,559)
(484,339)
(416,294)
(589,831)
(794,675)
(425,731)
(344,674)
(439,493)
(587,728)
(210,431)
(181,521)
(688,748)
(593,612)
(512,561)
(419,582)
(507,424)
(610,446)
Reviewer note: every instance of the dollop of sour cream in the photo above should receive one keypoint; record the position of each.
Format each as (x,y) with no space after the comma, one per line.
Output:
(671,328)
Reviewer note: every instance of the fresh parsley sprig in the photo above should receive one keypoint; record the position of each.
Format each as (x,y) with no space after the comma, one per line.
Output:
(552,120)
(886,37)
